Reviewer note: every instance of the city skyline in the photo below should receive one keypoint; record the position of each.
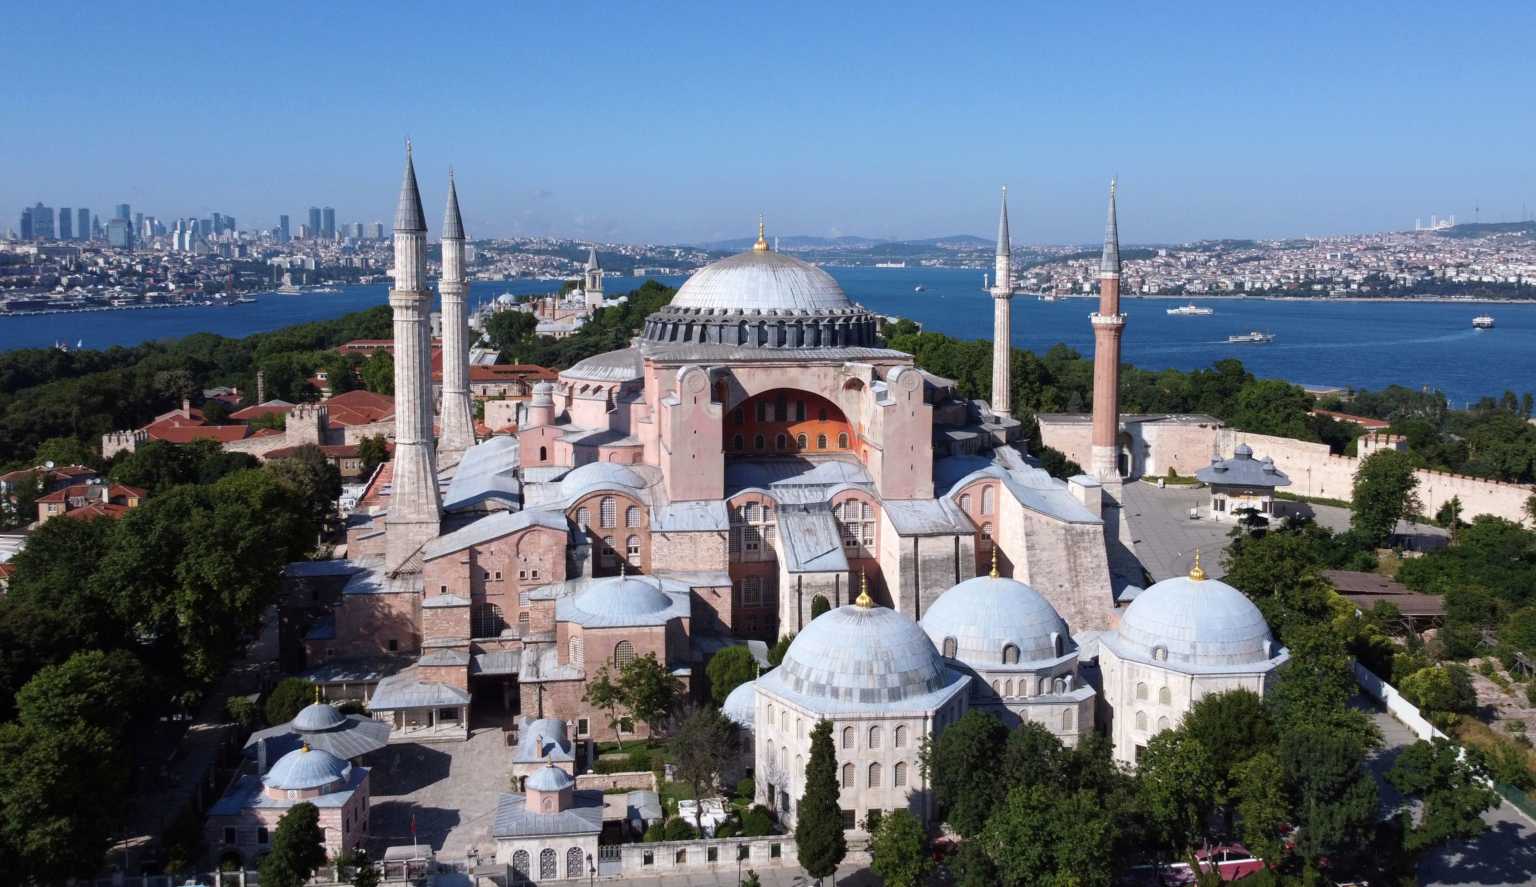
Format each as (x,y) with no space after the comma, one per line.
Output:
(675,128)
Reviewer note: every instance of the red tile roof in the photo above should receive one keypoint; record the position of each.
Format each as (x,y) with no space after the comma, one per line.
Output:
(360,407)
(256,411)
(188,433)
(93,511)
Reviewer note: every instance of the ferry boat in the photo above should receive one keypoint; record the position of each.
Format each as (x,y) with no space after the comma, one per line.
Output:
(919,289)
(890,264)
(1253,338)
(1483,322)
(244,300)
(1191,310)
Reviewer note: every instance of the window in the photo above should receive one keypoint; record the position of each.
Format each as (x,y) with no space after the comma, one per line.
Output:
(1160,653)
(1057,644)
(1162,723)
(899,774)
(874,776)
(646,858)
(1066,719)
(775,851)
(487,621)
(393,645)
(986,500)
(821,414)
(965,503)
(632,517)
(847,776)
(583,518)
(680,856)
(849,819)
(1059,686)
(759,442)
(1141,690)
(533,574)
(1010,655)
(547,867)
(583,727)
(950,648)
(573,866)
(874,737)
(751,513)
(497,575)
(442,589)
(577,650)
(752,591)
(762,411)
(520,864)
(632,550)
(543,454)
(800,441)
(522,624)
(737,442)
(780,441)
(1008,687)
(800,412)
(1141,720)
(623,654)
(821,441)
(712,854)
(606,512)
(1164,696)
(901,737)
(847,737)
(229,835)
(609,556)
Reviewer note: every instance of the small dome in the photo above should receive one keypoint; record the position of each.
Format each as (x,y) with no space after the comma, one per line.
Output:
(1243,451)
(306,768)
(623,596)
(506,299)
(985,615)
(871,655)
(741,704)
(762,280)
(318,717)
(549,779)
(1196,621)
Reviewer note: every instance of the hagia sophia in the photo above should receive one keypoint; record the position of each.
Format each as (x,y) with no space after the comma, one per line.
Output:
(755,452)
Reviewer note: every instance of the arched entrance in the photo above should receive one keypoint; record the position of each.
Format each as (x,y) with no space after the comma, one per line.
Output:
(785,421)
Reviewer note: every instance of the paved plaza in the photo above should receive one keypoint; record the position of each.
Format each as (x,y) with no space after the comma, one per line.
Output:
(449,788)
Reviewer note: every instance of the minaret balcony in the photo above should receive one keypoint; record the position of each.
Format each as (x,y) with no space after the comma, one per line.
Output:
(1113,321)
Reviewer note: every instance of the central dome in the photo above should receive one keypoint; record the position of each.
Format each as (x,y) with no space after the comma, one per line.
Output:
(863,655)
(762,280)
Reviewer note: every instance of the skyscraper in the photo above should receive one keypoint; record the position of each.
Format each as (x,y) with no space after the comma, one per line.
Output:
(378,231)
(42,222)
(138,222)
(1002,315)
(119,234)
(328,223)
(283,234)
(26,223)
(124,212)
(1108,327)
(82,224)
(314,221)
(66,224)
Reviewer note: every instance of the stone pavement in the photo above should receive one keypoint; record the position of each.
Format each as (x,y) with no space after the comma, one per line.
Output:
(450,788)
(1164,535)
(789,876)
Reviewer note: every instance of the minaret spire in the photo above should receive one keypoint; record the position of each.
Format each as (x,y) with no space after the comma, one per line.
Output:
(1110,263)
(1108,327)
(458,427)
(1002,315)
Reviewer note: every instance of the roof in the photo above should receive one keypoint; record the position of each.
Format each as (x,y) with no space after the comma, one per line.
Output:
(453,223)
(760,280)
(986,614)
(616,601)
(359,407)
(1031,487)
(543,740)
(493,526)
(1363,421)
(600,476)
(549,778)
(180,434)
(405,690)
(306,767)
(1109,262)
(496,662)
(810,539)
(741,704)
(265,408)
(926,517)
(357,736)
(408,214)
(1242,470)
(318,716)
(487,471)
(613,366)
(1366,590)
(514,820)
(780,476)
(246,793)
(510,372)
(691,517)
(1187,623)
(1004,241)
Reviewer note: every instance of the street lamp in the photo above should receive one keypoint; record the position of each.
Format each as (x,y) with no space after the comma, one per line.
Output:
(591,870)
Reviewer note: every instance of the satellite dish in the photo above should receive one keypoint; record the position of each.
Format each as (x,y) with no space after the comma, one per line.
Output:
(48,465)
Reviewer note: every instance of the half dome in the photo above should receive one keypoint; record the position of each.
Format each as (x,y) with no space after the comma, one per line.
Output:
(1194,621)
(987,614)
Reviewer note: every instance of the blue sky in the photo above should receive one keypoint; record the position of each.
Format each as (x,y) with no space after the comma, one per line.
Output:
(680,122)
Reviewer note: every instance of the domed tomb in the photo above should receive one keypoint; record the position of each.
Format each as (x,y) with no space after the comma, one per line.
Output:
(993,620)
(1194,620)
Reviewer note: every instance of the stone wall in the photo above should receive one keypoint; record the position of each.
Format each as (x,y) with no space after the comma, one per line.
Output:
(676,857)
(641,781)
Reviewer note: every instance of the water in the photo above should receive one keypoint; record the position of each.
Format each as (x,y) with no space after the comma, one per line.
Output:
(1359,344)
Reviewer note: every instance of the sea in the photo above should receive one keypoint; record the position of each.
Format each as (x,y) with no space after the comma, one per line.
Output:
(1358,344)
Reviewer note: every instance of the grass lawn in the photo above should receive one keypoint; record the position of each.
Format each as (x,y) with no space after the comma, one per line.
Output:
(610,747)
(672,792)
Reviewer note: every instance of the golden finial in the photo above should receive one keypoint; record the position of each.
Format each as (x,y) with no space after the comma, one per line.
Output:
(994,573)
(762,239)
(305,746)
(317,692)
(1197,572)
(864,601)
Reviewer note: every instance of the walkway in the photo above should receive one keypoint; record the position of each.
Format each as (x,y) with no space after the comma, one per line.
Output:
(449,790)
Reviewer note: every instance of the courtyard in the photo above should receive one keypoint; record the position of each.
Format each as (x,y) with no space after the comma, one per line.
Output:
(446,792)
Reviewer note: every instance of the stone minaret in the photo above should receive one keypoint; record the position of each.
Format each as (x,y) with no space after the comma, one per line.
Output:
(415,507)
(458,433)
(1108,325)
(1002,315)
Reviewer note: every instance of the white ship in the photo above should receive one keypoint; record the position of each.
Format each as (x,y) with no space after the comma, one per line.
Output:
(1253,338)
(1483,322)
(1191,310)
(890,264)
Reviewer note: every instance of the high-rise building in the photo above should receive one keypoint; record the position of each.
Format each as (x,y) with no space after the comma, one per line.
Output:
(82,224)
(306,232)
(283,234)
(218,222)
(328,223)
(229,224)
(138,221)
(26,223)
(42,222)
(119,234)
(66,224)
(124,212)
(314,222)
(378,231)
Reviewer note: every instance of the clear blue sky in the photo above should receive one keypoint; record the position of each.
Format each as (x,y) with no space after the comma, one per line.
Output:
(674,122)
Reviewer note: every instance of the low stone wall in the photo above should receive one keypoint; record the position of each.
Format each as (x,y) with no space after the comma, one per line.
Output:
(642,781)
(1396,705)
(673,857)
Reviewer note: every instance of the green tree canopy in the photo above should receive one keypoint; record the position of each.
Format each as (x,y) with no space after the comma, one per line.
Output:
(1384,493)
(1452,789)
(729,669)
(703,743)
(298,848)
(899,851)
(1175,781)
(961,769)
(648,689)
(603,692)
(378,372)
(285,700)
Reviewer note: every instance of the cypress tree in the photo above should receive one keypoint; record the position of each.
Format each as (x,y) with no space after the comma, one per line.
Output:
(819,819)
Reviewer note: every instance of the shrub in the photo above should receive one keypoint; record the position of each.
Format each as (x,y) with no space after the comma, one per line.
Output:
(607,766)
(679,829)
(757,823)
(285,700)
(642,759)
(654,833)
(726,829)
(1530,692)
(242,710)
(746,788)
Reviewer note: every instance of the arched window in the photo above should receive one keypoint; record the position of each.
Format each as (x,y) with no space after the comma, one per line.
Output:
(573,863)
(1164,696)
(847,776)
(759,442)
(623,654)
(487,621)
(583,518)
(874,737)
(770,747)
(543,457)
(784,757)
(821,441)
(986,499)
(1141,720)
(548,867)
(799,411)
(847,737)
(901,737)
(752,512)
(1010,655)
(950,647)
(737,443)
(780,441)
(965,503)
(632,550)
(1066,719)
(632,517)
(874,775)
(577,650)
(1160,653)
(997,687)
(1059,686)
(784,722)
(606,512)
(1162,723)
(520,864)
(547,805)
(610,557)
(842,440)
(800,441)
(899,774)
(986,537)
(1141,690)
(1056,644)
(1008,687)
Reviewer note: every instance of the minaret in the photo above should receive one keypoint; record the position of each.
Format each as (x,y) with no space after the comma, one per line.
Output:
(415,507)
(1108,325)
(458,433)
(1002,315)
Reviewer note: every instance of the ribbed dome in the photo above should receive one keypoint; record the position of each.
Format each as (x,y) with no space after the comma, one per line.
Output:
(868,655)
(549,779)
(741,704)
(306,768)
(985,614)
(318,717)
(762,280)
(623,596)
(1198,622)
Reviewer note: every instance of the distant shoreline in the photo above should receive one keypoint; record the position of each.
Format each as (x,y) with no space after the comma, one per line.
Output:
(1448,300)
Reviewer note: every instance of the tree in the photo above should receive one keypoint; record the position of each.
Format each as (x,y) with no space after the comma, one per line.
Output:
(508,330)
(372,451)
(819,605)
(1174,789)
(311,479)
(364,874)
(729,669)
(378,373)
(1333,796)
(1043,836)
(1259,786)
(960,766)
(286,700)
(970,866)
(1233,726)
(648,689)
(1033,756)
(779,648)
(899,851)
(19,508)
(1384,493)
(92,687)
(298,848)
(819,818)
(604,694)
(703,743)
(1440,690)
(751,879)
(65,451)
(1453,791)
